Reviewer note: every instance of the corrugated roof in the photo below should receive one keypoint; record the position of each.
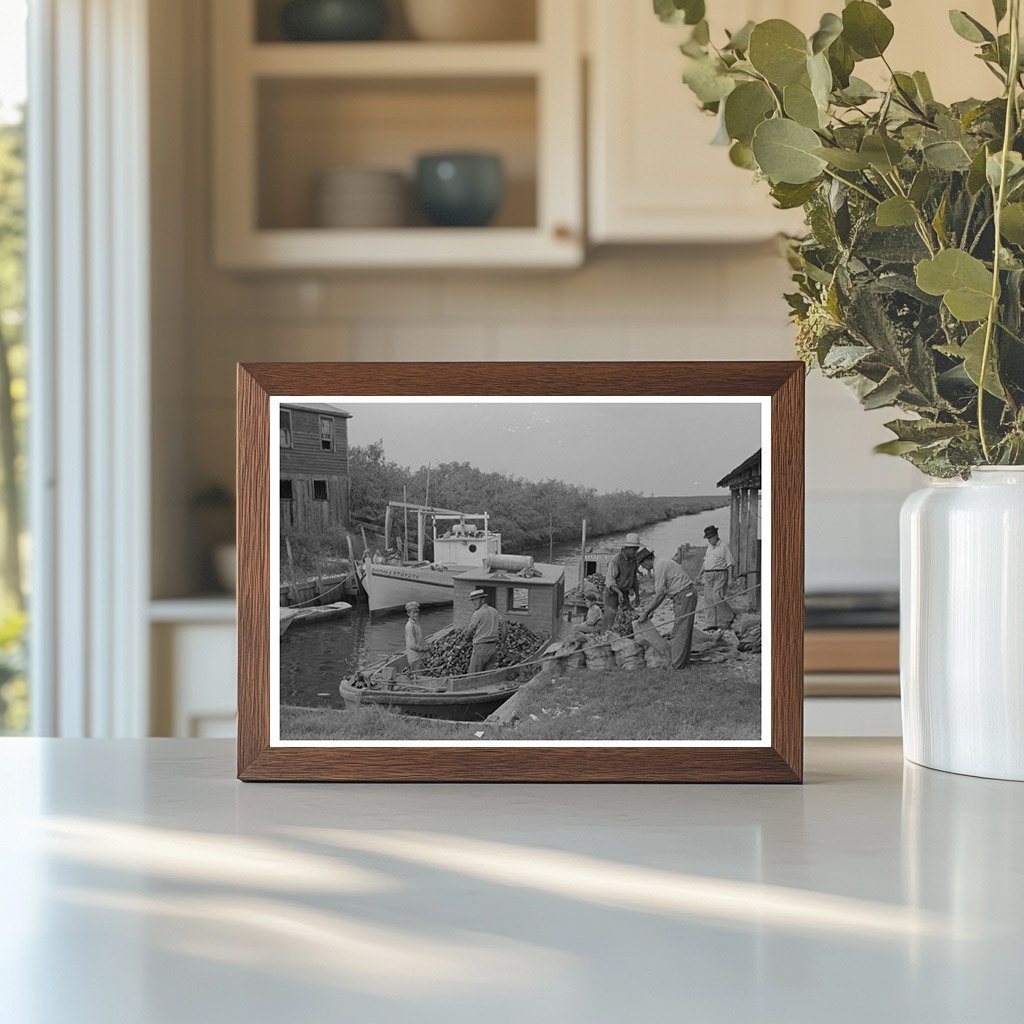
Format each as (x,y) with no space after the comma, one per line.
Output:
(744,467)
(319,407)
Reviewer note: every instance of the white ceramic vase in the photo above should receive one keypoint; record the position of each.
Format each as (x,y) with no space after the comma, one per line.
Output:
(962,624)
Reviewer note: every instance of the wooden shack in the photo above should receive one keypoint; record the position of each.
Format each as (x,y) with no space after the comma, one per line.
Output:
(535,601)
(745,523)
(314,471)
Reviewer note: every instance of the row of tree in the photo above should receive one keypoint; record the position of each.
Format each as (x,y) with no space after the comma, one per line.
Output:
(525,512)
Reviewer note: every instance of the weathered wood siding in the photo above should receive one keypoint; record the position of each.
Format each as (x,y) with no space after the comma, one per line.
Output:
(304,512)
(306,455)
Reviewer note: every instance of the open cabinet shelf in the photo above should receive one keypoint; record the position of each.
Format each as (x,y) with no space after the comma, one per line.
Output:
(287,114)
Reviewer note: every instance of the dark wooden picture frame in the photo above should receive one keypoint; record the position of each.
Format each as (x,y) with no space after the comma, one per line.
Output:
(779,761)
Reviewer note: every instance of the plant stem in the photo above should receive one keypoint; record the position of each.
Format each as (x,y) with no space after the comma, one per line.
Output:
(855,187)
(993,309)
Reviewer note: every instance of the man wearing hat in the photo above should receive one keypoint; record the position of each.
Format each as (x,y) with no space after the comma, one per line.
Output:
(671,580)
(621,580)
(719,566)
(485,630)
(415,645)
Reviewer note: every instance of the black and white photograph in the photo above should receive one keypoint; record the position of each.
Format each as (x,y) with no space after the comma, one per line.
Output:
(496,571)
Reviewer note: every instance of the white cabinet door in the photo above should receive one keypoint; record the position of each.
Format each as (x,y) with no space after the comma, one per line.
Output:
(653,175)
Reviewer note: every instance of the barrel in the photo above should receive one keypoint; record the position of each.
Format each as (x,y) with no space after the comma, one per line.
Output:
(508,563)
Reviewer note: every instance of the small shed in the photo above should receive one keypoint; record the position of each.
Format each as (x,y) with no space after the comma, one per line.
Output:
(745,523)
(535,601)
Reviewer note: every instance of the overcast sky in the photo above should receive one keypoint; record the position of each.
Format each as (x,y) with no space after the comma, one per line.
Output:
(661,449)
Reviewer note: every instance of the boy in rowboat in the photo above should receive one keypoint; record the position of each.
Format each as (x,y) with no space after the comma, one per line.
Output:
(415,645)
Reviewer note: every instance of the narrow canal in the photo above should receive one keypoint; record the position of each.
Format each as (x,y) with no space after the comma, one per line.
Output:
(315,658)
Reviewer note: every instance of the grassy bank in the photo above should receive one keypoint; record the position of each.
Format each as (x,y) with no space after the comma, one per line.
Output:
(703,702)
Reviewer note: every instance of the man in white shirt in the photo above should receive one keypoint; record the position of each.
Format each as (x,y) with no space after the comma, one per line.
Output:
(671,580)
(485,631)
(717,574)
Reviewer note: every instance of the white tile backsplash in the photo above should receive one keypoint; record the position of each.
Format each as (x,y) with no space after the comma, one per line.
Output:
(715,303)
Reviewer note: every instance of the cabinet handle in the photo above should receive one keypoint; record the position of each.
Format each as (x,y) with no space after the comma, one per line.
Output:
(563,232)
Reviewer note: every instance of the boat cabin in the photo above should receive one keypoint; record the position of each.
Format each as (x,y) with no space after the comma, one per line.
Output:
(462,540)
(535,601)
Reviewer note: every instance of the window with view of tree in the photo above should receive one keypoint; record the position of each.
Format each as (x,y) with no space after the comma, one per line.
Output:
(13,359)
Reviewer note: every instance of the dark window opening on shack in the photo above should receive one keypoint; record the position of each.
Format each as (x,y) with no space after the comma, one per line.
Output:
(319,490)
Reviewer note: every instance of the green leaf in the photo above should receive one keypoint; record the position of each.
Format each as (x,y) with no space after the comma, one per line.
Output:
(896,447)
(963,281)
(1012,224)
(976,174)
(745,108)
(789,197)
(785,152)
(820,76)
(968,28)
(858,91)
(701,33)
(800,105)
(841,60)
(883,153)
(708,80)
(742,155)
(830,29)
(844,159)
(676,12)
(778,50)
(884,395)
(971,352)
(947,156)
(739,41)
(921,185)
(896,212)
(923,431)
(999,7)
(866,29)
(1014,169)
(924,87)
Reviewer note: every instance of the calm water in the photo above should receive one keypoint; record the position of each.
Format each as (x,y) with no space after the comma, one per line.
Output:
(314,659)
(661,538)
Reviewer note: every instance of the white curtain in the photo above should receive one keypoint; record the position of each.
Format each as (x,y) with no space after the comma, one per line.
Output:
(88,318)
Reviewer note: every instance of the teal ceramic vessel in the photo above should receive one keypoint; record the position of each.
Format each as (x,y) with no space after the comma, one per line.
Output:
(461,190)
(334,21)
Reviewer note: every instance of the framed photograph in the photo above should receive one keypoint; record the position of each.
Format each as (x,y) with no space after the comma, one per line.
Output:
(517,572)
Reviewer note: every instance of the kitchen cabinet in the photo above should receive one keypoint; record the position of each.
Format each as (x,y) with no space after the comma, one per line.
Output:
(287,113)
(653,175)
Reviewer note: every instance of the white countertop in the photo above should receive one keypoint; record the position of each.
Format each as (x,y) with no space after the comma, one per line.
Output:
(143,885)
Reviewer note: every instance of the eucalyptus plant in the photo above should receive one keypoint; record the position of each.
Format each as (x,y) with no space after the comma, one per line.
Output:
(910,278)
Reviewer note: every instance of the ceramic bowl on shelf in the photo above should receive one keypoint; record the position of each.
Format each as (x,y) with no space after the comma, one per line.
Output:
(332,21)
(361,198)
(460,189)
(470,20)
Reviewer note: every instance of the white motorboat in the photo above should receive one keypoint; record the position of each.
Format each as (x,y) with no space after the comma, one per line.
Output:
(460,543)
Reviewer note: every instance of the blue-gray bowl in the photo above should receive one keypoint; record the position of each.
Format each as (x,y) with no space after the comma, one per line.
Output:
(461,190)
(332,21)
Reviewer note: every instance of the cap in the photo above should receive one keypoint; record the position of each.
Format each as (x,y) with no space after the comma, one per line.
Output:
(478,593)
(710,531)
(412,606)
(632,541)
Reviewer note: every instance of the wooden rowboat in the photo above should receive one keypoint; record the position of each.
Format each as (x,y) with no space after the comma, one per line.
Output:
(390,685)
(306,616)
